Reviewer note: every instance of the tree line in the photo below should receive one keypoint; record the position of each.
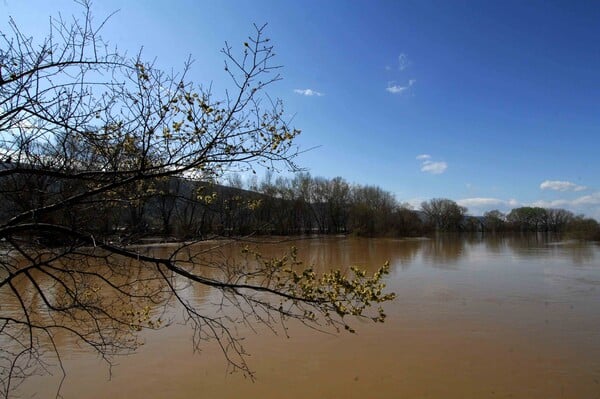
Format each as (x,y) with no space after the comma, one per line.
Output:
(178,208)
(538,219)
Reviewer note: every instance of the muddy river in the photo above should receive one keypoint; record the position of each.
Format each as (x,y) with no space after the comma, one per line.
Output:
(474,317)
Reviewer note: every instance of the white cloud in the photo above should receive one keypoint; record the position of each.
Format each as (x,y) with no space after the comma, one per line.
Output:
(434,168)
(513,203)
(481,202)
(592,199)
(397,89)
(429,166)
(415,203)
(308,92)
(403,62)
(560,203)
(480,205)
(487,203)
(559,185)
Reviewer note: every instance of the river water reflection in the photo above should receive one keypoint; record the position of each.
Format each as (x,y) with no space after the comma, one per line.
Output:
(474,317)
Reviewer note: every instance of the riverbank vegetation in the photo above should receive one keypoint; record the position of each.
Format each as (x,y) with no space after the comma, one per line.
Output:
(175,208)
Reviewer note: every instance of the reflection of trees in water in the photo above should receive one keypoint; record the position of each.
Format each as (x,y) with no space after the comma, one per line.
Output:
(580,253)
(494,243)
(328,253)
(406,253)
(444,250)
(368,253)
(473,238)
(549,245)
(529,244)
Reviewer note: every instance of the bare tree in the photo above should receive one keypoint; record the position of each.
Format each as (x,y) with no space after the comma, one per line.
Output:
(559,219)
(97,131)
(494,220)
(443,213)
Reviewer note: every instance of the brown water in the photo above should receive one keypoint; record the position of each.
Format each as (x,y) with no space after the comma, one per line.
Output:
(512,317)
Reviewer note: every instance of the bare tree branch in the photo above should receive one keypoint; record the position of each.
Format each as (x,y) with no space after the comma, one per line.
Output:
(91,143)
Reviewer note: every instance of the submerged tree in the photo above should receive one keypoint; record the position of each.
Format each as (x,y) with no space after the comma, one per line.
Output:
(88,137)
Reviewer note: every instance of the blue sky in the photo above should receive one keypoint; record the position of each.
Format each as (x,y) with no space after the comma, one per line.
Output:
(492,104)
